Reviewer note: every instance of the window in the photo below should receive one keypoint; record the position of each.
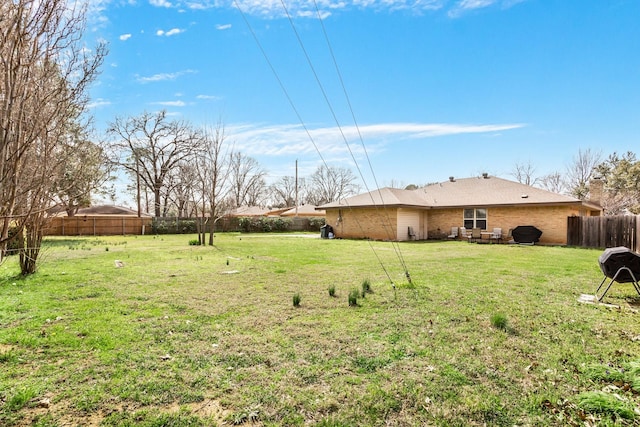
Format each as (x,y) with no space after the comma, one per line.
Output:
(475,218)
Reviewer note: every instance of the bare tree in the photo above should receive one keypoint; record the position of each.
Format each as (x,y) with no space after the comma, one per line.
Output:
(45,71)
(150,147)
(181,183)
(580,171)
(553,182)
(213,173)
(524,173)
(247,183)
(286,192)
(329,184)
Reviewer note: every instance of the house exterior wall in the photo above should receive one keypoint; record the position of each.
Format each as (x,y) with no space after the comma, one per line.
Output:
(367,223)
(393,223)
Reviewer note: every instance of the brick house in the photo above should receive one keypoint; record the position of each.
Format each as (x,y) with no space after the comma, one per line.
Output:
(430,212)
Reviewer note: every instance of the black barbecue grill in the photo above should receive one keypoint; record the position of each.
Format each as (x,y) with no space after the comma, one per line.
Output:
(621,265)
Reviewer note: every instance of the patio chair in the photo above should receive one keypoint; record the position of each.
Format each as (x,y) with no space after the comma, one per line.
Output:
(476,235)
(496,235)
(454,233)
(463,233)
(412,233)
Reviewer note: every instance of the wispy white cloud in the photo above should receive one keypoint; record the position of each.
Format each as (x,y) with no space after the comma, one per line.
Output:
(303,8)
(170,103)
(98,103)
(125,37)
(223,26)
(163,76)
(208,97)
(271,9)
(294,139)
(160,3)
(463,6)
(171,32)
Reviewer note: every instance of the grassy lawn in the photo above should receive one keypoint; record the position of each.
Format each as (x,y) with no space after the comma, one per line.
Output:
(200,336)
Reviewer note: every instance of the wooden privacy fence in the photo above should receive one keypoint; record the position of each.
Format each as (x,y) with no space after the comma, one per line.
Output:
(98,225)
(604,231)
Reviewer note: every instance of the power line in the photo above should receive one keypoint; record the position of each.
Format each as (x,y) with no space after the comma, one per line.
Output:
(292,104)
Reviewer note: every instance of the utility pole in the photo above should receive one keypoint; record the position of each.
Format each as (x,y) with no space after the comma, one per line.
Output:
(296,187)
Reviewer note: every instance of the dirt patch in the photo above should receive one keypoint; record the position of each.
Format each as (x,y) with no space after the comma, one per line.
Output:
(209,408)
(4,348)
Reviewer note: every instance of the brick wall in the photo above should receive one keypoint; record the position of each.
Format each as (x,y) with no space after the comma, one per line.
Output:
(354,223)
(552,220)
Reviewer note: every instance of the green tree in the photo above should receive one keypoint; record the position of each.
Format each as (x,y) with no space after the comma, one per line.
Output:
(621,175)
(85,170)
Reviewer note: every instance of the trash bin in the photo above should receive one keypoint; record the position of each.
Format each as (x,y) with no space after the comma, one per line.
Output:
(325,230)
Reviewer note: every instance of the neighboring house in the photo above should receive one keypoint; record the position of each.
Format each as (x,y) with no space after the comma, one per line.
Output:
(249,211)
(99,220)
(108,210)
(430,212)
(304,211)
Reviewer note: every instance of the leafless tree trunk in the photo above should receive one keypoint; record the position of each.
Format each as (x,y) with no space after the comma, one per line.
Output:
(152,147)
(181,183)
(44,74)
(213,173)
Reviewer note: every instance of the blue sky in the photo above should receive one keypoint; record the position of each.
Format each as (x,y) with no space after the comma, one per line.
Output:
(438,88)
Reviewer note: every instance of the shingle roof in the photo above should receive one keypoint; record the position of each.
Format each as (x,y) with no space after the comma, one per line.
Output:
(382,197)
(477,191)
(249,211)
(488,191)
(303,210)
(107,210)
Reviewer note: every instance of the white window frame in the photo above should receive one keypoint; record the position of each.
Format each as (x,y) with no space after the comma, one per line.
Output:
(480,215)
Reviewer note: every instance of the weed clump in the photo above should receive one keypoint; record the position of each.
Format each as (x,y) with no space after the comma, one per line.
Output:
(366,287)
(604,403)
(499,321)
(332,291)
(353,297)
(296,299)
(194,242)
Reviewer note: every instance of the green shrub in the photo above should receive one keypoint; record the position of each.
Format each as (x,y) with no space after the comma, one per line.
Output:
(173,226)
(264,224)
(332,291)
(244,223)
(194,242)
(296,300)
(316,222)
